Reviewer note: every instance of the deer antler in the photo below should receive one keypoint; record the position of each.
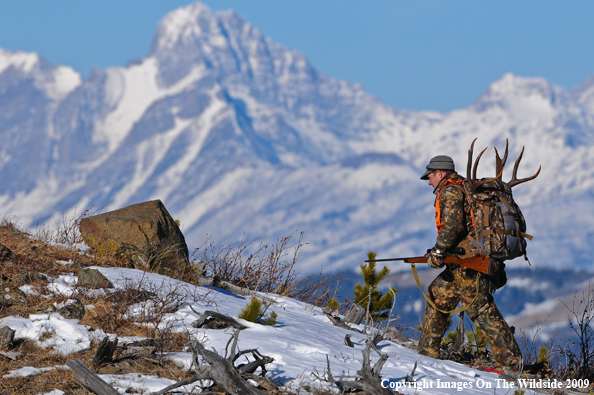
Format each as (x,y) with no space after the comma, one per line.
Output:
(478,158)
(514,181)
(469,165)
(500,163)
(471,180)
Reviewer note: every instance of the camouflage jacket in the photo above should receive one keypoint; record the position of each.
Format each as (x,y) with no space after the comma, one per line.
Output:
(455,213)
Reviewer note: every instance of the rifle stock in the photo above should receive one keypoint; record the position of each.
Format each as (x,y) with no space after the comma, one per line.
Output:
(479,263)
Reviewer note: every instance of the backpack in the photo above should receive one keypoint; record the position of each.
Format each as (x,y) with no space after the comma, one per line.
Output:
(499,227)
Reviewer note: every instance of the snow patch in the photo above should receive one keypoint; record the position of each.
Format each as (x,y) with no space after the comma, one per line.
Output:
(62,81)
(132,91)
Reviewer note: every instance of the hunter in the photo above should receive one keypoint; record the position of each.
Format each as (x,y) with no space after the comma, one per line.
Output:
(453,220)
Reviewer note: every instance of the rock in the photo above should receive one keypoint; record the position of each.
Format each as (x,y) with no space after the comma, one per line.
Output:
(46,307)
(74,310)
(80,263)
(10,294)
(145,234)
(29,277)
(5,253)
(92,278)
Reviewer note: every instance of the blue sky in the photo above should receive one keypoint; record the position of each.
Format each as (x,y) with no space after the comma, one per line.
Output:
(418,55)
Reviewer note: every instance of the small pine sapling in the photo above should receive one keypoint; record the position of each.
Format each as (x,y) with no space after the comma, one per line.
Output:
(252,312)
(368,294)
(451,338)
(333,304)
(255,311)
(271,320)
(478,338)
(543,355)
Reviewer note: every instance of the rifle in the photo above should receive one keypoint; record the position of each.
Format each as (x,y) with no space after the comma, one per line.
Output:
(479,263)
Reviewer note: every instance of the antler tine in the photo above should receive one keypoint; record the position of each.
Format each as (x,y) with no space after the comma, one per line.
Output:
(478,158)
(514,181)
(469,165)
(500,163)
(478,184)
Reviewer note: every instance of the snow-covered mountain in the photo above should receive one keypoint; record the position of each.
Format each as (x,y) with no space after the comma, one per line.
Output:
(236,134)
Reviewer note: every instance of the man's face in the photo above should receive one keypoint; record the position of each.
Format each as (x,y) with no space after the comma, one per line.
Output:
(435,177)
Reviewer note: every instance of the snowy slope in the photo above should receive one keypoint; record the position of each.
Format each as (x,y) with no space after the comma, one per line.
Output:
(300,342)
(238,135)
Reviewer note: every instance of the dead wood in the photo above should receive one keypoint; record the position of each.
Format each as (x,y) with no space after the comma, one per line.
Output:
(104,353)
(347,340)
(222,370)
(411,377)
(355,314)
(260,361)
(227,286)
(460,330)
(135,352)
(199,376)
(367,379)
(336,321)
(263,382)
(11,355)
(6,335)
(214,320)
(90,380)
(377,338)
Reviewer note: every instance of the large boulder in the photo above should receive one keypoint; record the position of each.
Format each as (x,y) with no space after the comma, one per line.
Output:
(144,234)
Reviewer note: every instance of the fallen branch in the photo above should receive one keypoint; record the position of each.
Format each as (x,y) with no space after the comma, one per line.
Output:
(224,373)
(213,320)
(90,380)
(367,379)
(105,350)
(6,335)
(11,355)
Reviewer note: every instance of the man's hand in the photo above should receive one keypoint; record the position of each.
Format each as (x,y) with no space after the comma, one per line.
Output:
(435,258)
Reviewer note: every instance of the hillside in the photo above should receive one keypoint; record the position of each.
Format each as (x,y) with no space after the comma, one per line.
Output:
(51,327)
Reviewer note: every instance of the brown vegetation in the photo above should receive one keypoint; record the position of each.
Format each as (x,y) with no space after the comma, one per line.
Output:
(33,258)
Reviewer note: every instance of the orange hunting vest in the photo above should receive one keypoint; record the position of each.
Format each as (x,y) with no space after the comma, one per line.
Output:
(438,221)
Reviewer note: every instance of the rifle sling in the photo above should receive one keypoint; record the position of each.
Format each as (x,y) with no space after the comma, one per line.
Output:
(428,299)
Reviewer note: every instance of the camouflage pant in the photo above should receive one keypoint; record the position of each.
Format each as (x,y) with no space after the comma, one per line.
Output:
(450,287)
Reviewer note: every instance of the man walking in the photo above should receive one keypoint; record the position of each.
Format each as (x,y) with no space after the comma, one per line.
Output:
(454,223)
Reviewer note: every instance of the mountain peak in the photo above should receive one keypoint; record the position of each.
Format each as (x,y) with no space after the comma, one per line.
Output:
(196,23)
(531,96)
(21,60)
(511,84)
(182,24)
(55,82)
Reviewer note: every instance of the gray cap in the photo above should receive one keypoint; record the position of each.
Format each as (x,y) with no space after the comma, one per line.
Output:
(440,162)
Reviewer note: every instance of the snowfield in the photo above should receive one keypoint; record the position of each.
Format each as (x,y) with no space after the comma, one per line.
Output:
(299,342)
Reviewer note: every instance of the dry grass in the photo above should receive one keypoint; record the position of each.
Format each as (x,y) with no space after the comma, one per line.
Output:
(41,383)
(35,259)
(65,380)
(265,268)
